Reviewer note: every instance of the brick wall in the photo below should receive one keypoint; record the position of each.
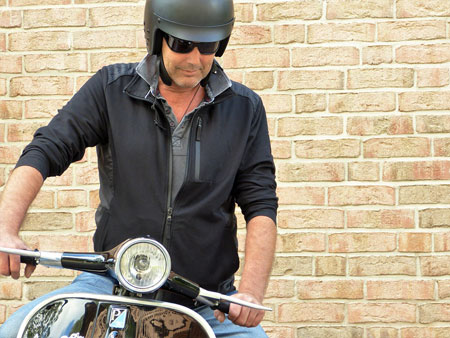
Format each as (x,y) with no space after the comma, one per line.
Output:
(357,97)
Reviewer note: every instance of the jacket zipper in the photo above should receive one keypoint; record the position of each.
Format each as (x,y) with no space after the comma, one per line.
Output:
(198,134)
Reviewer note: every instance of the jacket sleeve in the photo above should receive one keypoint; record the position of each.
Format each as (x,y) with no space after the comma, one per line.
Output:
(79,124)
(255,186)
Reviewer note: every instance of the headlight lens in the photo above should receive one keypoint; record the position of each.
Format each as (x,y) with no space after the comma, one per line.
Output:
(142,265)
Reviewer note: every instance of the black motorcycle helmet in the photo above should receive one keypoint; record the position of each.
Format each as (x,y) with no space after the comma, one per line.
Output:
(192,20)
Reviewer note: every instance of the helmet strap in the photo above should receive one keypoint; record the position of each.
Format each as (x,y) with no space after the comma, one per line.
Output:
(165,77)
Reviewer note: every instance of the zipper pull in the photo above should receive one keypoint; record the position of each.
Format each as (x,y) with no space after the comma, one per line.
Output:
(169,214)
(199,129)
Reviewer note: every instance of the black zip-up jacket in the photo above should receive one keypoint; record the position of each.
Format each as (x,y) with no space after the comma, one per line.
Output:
(229,161)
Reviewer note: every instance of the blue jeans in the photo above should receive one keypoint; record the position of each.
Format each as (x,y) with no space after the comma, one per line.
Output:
(90,283)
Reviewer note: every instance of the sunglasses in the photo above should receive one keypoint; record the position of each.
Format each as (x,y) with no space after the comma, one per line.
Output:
(183,46)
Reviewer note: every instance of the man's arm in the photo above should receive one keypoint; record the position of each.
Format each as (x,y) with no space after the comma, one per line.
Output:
(259,252)
(21,189)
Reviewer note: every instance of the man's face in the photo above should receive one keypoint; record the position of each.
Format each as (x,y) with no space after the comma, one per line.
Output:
(186,70)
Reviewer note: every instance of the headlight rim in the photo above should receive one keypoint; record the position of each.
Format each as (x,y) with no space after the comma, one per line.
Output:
(134,288)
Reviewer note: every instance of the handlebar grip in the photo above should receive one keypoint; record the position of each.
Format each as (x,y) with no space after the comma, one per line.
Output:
(223,306)
(28,260)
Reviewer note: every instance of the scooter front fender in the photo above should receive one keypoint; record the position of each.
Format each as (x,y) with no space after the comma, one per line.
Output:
(84,315)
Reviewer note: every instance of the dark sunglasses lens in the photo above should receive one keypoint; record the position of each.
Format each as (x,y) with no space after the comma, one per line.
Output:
(179,46)
(184,46)
(208,47)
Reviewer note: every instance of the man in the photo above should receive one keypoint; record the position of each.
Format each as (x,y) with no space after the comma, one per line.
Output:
(178,145)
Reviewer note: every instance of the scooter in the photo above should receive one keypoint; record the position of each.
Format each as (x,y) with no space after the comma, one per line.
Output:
(141,266)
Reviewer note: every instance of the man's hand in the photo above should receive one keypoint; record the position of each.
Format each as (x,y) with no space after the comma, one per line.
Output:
(242,315)
(10,264)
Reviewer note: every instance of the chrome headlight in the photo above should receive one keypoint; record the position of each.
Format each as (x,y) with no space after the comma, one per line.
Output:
(142,265)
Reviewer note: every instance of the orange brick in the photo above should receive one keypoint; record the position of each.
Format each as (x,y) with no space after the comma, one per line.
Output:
(444,289)
(52,242)
(292,265)
(289,33)
(337,9)
(38,2)
(380,77)
(44,85)
(2,313)
(332,32)
(292,126)
(277,103)
(309,103)
(330,266)
(411,30)
(422,8)
(341,148)
(362,242)
(280,288)
(414,242)
(382,332)
(441,242)
(10,109)
(45,108)
(9,154)
(251,34)
(256,57)
(430,53)
(85,221)
(434,265)
(99,60)
(311,172)
(363,171)
(94,199)
(311,312)
(434,312)
(10,19)
(434,217)
(410,171)
(416,101)
(397,147)
(332,289)
(330,331)
(10,290)
(381,313)
(424,194)
(382,266)
(244,12)
(442,147)
(433,77)
(71,198)
(279,331)
(361,195)
(37,41)
(281,149)
(259,80)
(10,64)
(42,221)
(433,124)
(62,62)
(54,17)
(20,132)
(116,16)
(381,219)
(311,219)
(362,102)
(44,200)
(325,56)
(424,332)
(311,79)
(391,125)
(2,86)
(2,42)
(375,55)
(65,179)
(306,10)
(301,195)
(302,242)
(104,39)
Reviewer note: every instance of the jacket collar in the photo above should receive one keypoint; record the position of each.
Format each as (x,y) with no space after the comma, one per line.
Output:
(144,84)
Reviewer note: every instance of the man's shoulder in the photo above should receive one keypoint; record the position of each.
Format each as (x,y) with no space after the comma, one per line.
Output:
(118,70)
(243,90)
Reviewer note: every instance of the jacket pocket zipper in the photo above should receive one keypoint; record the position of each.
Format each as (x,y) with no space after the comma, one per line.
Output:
(197,149)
